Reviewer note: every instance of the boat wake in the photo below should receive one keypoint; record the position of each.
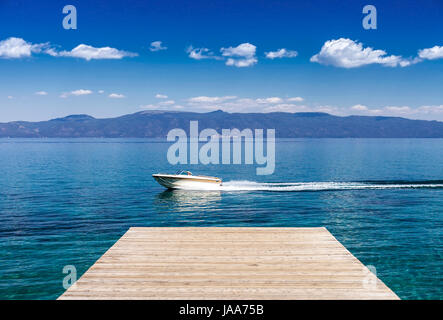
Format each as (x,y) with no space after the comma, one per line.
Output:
(246,185)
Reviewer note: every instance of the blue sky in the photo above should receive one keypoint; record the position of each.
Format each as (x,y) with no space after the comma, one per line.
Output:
(217,55)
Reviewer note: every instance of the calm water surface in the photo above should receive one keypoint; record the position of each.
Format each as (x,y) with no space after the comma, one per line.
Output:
(66,201)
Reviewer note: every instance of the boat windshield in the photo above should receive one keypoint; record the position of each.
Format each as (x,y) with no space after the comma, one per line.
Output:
(189,173)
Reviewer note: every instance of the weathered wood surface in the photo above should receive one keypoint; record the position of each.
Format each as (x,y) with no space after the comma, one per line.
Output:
(228,263)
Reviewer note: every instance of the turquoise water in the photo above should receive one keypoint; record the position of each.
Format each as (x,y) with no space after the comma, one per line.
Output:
(65,202)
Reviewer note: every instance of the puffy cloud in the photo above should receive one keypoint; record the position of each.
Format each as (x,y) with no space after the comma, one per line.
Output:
(242,50)
(161,107)
(436,109)
(162,104)
(80,92)
(281,53)
(433,112)
(241,62)
(247,104)
(101,91)
(149,107)
(15,48)
(359,107)
(286,107)
(431,53)
(200,53)
(157,46)
(295,99)
(328,109)
(41,93)
(50,51)
(18,48)
(241,56)
(206,99)
(167,103)
(346,53)
(87,52)
(116,96)
(269,100)
(395,109)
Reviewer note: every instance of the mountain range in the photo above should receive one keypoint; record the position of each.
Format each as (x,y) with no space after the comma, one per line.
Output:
(155,124)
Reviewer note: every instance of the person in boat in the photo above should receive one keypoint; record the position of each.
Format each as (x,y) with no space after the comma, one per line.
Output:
(189,173)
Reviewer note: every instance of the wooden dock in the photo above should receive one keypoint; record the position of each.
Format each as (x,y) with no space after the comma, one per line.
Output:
(228,263)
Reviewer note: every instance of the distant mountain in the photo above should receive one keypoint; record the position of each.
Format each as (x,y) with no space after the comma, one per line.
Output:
(152,124)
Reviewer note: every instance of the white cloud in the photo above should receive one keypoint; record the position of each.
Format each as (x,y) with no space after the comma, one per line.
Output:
(269,100)
(15,48)
(287,107)
(149,107)
(200,53)
(281,104)
(87,52)
(79,92)
(10,97)
(206,99)
(161,107)
(242,50)
(375,111)
(328,109)
(247,104)
(433,112)
(274,100)
(241,62)
(281,53)
(41,93)
(116,96)
(346,53)
(51,51)
(101,91)
(18,48)
(431,53)
(431,109)
(167,103)
(161,96)
(359,107)
(241,56)
(157,46)
(395,109)
(295,99)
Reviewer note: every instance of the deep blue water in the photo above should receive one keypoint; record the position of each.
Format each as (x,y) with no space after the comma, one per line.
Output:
(65,202)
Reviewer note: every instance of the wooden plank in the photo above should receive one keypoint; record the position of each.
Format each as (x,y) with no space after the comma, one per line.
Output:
(228,263)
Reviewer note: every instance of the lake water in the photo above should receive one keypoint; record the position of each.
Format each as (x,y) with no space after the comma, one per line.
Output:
(66,201)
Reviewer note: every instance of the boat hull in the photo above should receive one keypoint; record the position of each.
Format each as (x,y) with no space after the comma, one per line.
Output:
(186,182)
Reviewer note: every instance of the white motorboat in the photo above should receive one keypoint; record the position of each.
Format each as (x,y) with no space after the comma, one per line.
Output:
(186,180)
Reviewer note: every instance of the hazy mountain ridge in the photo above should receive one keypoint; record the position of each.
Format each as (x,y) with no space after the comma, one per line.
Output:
(154,124)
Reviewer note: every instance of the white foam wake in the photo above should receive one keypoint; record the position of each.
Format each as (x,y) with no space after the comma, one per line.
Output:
(245,185)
